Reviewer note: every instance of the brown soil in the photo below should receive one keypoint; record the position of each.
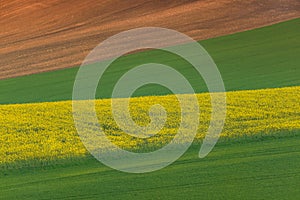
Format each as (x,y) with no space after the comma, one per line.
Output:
(38,36)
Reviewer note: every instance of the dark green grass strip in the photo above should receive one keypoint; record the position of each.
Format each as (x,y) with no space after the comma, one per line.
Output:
(263,58)
(267,169)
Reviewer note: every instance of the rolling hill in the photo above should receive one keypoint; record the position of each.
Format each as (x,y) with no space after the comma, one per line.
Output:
(258,155)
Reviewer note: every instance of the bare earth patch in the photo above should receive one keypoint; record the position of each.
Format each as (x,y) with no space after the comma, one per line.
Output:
(39,36)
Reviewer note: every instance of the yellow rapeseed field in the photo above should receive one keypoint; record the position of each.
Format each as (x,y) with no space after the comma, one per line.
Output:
(46,131)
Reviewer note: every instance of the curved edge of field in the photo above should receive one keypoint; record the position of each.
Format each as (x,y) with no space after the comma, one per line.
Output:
(267,57)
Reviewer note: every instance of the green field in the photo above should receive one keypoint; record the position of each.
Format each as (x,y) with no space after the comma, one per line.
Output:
(266,169)
(263,168)
(263,58)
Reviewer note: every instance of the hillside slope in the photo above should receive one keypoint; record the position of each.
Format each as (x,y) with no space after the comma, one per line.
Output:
(267,57)
(39,36)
